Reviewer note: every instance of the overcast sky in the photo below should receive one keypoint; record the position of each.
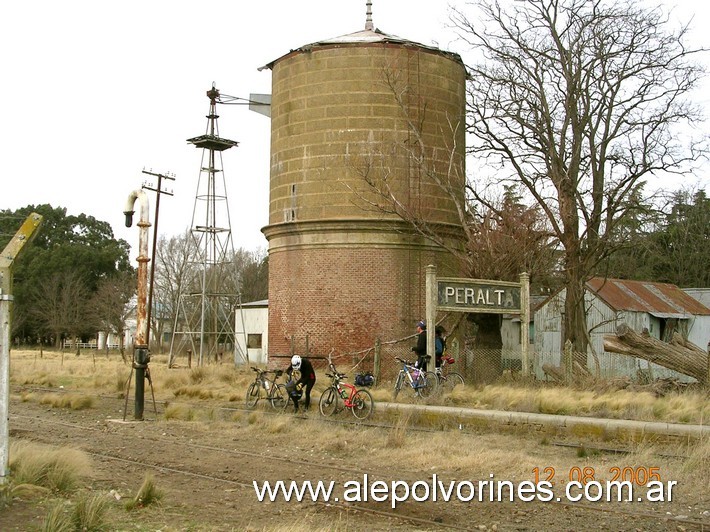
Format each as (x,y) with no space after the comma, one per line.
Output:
(93,92)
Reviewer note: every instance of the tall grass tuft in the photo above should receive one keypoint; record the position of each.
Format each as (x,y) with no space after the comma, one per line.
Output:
(69,400)
(197,375)
(147,494)
(89,514)
(194,392)
(56,469)
(58,519)
(179,412)
(397,436)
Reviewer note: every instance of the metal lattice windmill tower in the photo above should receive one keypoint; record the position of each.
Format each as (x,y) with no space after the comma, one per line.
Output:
(208,294)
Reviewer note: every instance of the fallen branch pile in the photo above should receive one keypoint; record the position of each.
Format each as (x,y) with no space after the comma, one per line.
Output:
(677,355)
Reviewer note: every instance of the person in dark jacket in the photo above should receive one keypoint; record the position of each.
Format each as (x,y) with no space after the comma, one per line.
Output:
(439,345)
(307,379)
(420,348)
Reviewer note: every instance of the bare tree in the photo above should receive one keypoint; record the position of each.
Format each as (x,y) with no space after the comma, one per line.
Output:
(171,268)
(60,305)
(110,305)
(580,102)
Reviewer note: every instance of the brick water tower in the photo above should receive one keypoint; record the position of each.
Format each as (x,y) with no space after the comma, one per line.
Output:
(358,121)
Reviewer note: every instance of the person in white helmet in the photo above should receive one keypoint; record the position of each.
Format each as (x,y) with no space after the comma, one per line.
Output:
(307,379)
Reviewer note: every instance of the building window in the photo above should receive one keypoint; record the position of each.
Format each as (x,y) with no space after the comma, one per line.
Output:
(253,341)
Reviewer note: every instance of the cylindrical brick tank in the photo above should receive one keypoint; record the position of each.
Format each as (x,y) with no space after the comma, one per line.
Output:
(364,107)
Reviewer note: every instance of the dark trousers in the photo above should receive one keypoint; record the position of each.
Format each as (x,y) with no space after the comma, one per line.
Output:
(307,392)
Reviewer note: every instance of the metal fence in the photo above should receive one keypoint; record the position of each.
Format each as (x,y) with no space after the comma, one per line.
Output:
(487,365)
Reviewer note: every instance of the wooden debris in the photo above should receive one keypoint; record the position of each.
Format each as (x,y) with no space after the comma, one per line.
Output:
(678,355)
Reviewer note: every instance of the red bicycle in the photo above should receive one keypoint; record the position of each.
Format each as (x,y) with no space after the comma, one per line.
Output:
(340,395)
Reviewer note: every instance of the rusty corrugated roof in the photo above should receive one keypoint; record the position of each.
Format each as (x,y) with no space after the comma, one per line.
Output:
(660,299)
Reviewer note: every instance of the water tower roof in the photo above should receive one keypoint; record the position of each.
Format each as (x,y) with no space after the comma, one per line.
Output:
(366,36)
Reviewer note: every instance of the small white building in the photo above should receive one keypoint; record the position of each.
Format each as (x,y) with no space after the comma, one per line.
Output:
(510,333)
(701,294)
(251,330)
(660,308)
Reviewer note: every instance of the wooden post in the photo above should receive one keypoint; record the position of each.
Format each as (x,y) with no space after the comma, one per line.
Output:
(431,302)
(376,370)
(567,361)
(525,322)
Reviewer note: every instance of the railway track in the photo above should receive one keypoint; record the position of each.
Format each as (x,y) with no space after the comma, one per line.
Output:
(77,433)
(115,434)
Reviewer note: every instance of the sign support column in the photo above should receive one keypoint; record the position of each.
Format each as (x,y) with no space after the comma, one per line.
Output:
(525,322)
(431,303)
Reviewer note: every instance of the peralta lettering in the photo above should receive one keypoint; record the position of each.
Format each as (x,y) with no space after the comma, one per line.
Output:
(477,296)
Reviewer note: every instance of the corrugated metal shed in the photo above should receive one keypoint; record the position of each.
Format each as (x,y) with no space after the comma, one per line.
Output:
(658,299)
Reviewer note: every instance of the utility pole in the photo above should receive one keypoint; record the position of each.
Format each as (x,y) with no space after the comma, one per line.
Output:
(7,261)
(158,192)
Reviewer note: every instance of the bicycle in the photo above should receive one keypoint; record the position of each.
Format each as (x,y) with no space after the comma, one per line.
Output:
(359,401)
(424,383)
(265,388)
(449,380)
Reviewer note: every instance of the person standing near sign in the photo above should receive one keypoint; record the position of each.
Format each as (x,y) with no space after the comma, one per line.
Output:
(420,348)
(439,346)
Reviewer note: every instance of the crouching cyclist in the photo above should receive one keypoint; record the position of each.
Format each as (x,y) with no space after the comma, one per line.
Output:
(307,379)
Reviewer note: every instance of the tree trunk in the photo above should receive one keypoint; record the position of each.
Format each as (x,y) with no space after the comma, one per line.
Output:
(575,321)
(677,355)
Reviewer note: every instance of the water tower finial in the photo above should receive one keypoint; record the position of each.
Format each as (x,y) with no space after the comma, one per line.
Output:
(368,20)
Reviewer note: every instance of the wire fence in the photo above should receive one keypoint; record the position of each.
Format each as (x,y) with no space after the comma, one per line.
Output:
(482,366)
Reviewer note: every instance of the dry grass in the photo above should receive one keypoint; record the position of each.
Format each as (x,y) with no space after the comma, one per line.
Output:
(58,470)
(72,401)
(88,514)
(147,494)
(455,453)
(223,382)
(687,407)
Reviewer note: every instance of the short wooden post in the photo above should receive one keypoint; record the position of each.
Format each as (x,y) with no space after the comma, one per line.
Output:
(567,361)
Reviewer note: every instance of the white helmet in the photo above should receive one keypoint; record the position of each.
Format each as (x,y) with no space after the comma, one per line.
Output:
(296,362)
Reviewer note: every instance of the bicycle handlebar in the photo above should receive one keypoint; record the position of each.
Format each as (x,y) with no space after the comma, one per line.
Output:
(405,362)
(277,372)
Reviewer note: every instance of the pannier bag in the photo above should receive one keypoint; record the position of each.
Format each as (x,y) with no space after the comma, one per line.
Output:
(364,379)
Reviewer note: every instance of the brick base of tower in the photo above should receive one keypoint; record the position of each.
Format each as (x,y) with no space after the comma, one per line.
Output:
(344,289)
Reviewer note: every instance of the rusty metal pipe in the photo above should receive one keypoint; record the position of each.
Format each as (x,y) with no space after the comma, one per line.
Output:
(140,344)
(144,224)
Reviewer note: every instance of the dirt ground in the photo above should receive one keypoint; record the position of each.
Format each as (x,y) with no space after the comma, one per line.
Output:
(206,468)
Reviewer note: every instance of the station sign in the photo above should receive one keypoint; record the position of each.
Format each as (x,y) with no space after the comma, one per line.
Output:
(482,296)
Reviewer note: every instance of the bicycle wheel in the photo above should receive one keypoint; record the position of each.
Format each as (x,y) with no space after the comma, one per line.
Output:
(328,403)
(362,404)
(451,381)
(397,385)
(279,397)
(252,396)
(426,384)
